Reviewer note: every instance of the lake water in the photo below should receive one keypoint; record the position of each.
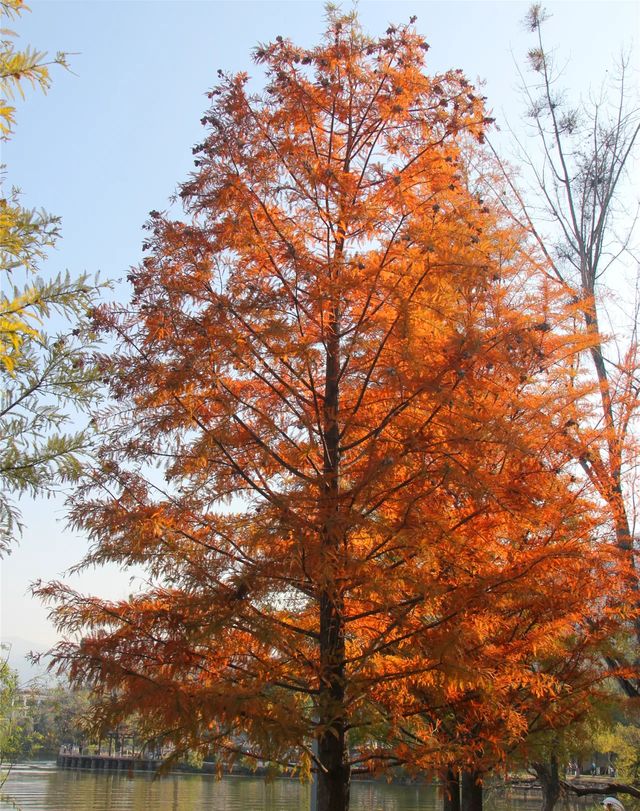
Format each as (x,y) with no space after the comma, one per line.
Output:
(43,787)
(40,786)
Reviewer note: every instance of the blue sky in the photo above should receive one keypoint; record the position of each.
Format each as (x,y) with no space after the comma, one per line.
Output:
(112,140)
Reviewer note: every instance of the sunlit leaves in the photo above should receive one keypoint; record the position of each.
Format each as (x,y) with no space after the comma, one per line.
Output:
(338,438)
(20,67)
(43,376)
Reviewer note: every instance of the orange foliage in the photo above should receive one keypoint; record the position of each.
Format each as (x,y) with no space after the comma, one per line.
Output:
(368,526)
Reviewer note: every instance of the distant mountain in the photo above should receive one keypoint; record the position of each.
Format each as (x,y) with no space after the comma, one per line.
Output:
(16,652)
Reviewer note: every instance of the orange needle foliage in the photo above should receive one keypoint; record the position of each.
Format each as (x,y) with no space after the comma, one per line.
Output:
(356,394)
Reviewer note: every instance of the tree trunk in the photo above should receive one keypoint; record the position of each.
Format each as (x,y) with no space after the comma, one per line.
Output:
(451,790)
(549,778)
(611,489)
(334,776)
(333,786)
(471,785)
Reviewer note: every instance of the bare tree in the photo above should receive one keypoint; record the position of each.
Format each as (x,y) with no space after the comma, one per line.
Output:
(583,218)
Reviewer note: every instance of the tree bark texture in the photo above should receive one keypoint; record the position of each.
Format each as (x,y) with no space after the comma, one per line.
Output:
(471,791)
(334,776)
(549,778)
(451,790)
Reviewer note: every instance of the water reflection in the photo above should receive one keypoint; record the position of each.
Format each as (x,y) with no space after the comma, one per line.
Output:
(43,787)
(381,797)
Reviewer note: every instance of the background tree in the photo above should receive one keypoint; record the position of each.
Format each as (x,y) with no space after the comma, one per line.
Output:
(44,329)
(622,738)
(14,721)
(356,397)
(583,215)
(36,719)
(8,687)
(59,717)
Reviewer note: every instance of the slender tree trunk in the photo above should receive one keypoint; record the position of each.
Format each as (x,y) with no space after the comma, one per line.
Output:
(451,790)
(549,778)
(611,490)
(334,776)
(471,794)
